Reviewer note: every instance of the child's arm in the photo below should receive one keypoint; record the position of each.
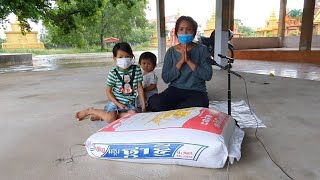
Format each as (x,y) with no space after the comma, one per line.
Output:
(113,98)
(142,98)
(151,79)
(150,88)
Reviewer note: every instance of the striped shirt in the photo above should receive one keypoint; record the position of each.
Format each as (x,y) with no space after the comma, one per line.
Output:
(116,84)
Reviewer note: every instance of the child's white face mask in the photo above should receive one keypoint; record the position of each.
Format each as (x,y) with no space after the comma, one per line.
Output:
(124,63)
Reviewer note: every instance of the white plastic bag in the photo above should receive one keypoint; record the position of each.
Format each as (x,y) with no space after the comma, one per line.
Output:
(193,137)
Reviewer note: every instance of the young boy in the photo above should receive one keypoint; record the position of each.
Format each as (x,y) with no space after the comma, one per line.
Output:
(123,84)
(148,62)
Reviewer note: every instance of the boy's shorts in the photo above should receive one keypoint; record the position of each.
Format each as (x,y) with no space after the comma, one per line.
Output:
(113,107)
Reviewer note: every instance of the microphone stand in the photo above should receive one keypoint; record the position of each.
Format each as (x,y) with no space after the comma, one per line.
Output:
(227,68)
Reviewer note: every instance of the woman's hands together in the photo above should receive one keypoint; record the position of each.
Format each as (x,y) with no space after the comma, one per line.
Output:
(184,52)
(185,58)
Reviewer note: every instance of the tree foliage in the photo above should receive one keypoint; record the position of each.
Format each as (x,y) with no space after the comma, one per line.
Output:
(294,33)
(125,21)
(271,34)
(2,41)
(60,13)
(32,10)
(244,30)
(84,35)
(67,12)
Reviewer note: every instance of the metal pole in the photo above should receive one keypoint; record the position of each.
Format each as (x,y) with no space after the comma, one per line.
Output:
(229,89)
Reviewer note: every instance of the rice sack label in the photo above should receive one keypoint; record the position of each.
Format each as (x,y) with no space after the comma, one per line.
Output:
(190,136)
(148,151)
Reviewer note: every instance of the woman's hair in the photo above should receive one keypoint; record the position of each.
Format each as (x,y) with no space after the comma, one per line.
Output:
(148,56)
(123,46)
(194,24)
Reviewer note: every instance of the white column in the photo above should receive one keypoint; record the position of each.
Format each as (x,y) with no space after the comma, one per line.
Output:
(221,37)
(161,30)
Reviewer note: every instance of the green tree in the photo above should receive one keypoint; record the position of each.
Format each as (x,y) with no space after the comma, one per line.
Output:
(32,10)
(294,33)
(271,34)
(60,39)
(128,23)
(61,13)
(142,35)
(125,21)
(2,41)
(244,30)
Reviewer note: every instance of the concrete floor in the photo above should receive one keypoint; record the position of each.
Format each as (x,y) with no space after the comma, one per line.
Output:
(62,61)
(39,132)
(283,69)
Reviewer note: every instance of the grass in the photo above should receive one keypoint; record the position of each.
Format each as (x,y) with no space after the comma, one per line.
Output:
(66,50)
(52,51)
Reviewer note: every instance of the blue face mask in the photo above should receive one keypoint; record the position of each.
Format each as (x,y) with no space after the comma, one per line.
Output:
(185,38)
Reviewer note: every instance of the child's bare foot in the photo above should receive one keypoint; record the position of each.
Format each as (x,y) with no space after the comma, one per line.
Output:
(95,118)
(82,114)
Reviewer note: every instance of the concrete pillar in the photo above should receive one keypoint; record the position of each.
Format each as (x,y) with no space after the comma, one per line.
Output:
(282,23)
(231,15)
(307,25)
(161,30)
(221,31)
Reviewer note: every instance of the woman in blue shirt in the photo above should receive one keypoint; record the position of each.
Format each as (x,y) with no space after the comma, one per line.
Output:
(186,69)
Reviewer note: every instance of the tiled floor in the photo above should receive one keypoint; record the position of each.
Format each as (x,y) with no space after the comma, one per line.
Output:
(284,69)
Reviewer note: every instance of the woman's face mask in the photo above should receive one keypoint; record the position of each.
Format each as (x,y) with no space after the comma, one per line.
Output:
(185,38)
(124,63)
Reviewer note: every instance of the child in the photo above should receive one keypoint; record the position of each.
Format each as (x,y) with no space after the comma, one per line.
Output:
(148,62)
(123,83)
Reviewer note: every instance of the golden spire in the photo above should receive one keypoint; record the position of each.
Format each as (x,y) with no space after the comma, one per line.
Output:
(273,15)
(273,20)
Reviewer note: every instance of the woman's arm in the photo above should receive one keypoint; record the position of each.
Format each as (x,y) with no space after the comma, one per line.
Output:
(203,70)
(171,68)
(191,64)
(188,59)
(180,63)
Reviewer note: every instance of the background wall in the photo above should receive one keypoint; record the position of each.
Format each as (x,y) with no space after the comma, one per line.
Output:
(271,42)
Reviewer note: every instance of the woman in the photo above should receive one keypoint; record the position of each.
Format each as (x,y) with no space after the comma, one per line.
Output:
(186,69)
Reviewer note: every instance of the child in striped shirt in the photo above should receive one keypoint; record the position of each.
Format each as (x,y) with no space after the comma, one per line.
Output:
(123,84)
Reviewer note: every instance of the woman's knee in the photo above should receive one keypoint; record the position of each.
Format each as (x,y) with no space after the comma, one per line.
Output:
(152,102)
(155,99)
(157,103)
(196,101)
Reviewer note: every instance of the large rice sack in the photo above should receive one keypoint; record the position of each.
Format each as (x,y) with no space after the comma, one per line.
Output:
(200,137)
